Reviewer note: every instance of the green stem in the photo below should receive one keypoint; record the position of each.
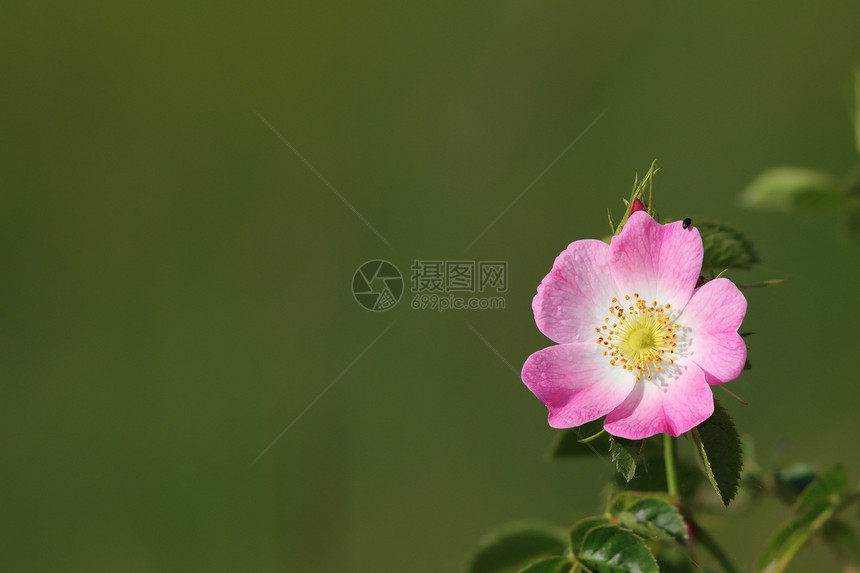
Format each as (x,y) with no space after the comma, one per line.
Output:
(711,546)
(669,455)
(798,540)
(802,528)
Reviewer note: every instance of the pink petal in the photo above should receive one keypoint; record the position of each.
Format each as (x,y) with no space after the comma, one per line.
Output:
(713,316)
(717,306)
(575,296)
(576,382)
(672,407)
(660,262)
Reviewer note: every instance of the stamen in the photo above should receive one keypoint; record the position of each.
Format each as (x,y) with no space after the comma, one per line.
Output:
(643,336)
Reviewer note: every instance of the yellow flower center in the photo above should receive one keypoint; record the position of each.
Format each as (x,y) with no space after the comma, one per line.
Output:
(637,336)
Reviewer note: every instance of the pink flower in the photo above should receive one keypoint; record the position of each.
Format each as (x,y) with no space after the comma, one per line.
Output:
(637,341)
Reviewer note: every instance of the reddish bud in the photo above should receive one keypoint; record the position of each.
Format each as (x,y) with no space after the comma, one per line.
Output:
(700,282)
(636,206)
(692,532)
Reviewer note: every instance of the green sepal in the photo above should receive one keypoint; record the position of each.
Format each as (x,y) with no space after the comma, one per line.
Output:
(549,565)
(720,448)
(612,549)
(575,442)
(625,454)
(515,545)
(590,439)
(725,247)
(639,186)
(761,284)
(722,387)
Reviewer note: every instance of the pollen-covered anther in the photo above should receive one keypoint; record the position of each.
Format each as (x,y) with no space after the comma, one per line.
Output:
(641,338)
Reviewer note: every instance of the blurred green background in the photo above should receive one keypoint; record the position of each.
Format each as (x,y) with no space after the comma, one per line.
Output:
(176,285)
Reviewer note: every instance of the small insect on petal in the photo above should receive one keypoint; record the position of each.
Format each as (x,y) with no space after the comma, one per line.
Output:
(687,222)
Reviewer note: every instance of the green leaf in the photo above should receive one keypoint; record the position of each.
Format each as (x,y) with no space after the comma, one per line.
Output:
(720,448)
(843,541)
(651,471)
(567,442)
(625,454)
(792,480)
(625,499)
(515,545)
(676,562)
(828,486)
(819,502)
(725,247)
(549,565)
(611,549)
(791,537)
(651,515)
(581,528)
(787,188)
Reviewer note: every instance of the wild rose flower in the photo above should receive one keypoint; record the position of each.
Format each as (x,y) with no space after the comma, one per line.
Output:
(638,342)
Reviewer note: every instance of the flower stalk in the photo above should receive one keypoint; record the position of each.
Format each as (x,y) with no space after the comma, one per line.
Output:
(671,471)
